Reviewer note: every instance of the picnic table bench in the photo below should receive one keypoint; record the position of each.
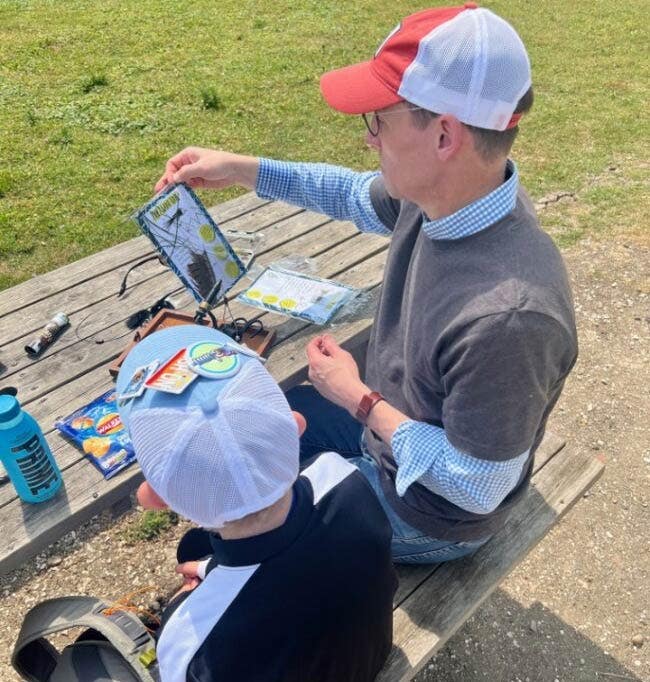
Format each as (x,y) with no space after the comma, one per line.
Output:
(432,602)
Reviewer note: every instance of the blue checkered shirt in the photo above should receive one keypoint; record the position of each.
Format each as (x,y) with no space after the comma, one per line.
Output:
(422,451)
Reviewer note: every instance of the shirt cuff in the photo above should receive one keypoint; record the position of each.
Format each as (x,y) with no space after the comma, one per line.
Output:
(411,461)
(202,568)
(273,179)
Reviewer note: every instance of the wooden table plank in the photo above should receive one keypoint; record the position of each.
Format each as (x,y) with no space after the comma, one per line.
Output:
(49,284)
(77,291)
(261,218)
(431,615)
(362,272)
(18,327)
(43,286)
(82,356)
(411,577)
(27,530)
(154,281)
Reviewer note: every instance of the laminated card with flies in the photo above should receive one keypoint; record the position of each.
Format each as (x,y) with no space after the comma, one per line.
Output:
(190,242)
(192,245)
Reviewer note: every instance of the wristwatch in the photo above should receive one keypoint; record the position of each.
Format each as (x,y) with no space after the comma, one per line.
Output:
(367,403)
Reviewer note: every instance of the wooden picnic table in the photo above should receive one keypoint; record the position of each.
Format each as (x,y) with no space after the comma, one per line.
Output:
(74,370)
(432,602)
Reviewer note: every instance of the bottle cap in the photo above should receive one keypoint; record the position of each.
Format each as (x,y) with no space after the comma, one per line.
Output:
(9,408)
(61,319)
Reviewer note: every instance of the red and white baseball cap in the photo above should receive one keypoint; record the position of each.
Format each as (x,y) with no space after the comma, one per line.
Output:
(465,61)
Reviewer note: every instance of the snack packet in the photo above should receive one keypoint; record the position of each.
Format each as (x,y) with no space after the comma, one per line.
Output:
(98,430)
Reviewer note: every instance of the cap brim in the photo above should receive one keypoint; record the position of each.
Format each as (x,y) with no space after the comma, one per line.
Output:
(357,89)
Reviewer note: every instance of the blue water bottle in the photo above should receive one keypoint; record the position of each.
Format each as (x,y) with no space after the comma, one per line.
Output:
(25,453)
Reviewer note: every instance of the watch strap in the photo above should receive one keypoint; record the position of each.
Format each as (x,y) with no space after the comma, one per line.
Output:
(366,404)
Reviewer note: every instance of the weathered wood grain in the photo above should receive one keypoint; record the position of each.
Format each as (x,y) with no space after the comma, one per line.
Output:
(77,352)
(262,217)
(22,324)
(410,577)
(431,615)
(233,208)
(51,283)
(27,529)
(90,313)
(77,293)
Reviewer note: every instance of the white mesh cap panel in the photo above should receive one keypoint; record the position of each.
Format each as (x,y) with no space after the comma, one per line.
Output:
(266,433)
(202,486)
(151,433)
(225,459)
(474,66)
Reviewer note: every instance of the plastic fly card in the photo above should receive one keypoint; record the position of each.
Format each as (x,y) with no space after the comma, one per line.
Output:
(303,296)
(190,242)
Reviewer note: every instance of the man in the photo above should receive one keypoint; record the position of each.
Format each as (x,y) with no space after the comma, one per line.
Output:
(475,333)
(291,584)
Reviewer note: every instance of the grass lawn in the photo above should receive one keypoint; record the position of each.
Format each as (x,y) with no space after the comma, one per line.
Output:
(95,96)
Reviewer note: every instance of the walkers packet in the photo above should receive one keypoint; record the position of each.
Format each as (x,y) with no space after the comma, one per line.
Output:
(98,430)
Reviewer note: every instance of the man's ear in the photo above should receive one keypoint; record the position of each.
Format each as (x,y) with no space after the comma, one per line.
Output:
(300,421)
(450,135)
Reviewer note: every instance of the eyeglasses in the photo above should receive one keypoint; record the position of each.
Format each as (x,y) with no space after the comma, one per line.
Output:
(373,121)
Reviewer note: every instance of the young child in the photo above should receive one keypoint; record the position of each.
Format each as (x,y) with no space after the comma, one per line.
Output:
(289,577)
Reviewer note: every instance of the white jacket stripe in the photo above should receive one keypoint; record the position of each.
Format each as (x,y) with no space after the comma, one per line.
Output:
(327,472)
(195,618)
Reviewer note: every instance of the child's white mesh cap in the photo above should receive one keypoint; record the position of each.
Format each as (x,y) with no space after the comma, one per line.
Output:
(222,449)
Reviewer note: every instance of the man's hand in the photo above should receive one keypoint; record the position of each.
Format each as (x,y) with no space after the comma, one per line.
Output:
(334,373)
(198,167)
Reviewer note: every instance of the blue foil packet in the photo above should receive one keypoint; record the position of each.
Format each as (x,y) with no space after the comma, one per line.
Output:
(98,430)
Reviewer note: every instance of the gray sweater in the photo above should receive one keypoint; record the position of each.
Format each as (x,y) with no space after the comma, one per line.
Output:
(474,335)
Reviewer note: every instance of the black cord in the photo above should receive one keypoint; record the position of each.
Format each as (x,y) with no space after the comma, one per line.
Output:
(132,322)
(131,269)
(95,339)
(138,318)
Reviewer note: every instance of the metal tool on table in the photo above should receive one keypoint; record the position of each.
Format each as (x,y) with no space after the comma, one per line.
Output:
(47,335)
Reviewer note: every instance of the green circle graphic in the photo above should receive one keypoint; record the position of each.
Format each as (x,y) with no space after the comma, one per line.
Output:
(213,359)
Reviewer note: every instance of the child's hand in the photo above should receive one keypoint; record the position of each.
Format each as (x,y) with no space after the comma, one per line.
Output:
(193,573)
(191,569)
(188,585)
